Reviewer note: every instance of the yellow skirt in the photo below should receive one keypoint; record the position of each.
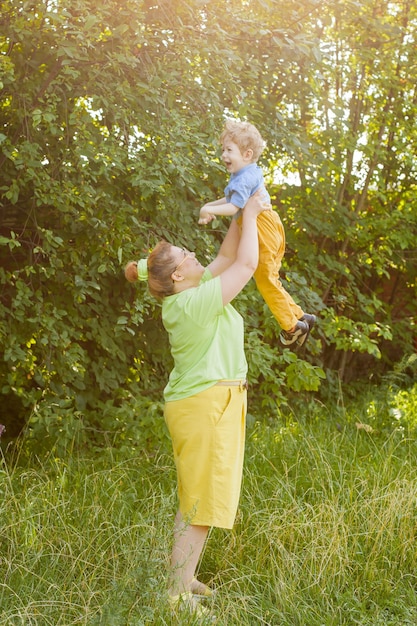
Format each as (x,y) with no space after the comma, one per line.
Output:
(208,439)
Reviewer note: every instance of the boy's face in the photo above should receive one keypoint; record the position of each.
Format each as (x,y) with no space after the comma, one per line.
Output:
(233,158)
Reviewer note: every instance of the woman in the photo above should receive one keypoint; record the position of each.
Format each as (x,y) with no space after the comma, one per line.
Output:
(205,398)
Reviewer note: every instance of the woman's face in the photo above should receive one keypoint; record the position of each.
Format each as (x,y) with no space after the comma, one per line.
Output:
(187,265)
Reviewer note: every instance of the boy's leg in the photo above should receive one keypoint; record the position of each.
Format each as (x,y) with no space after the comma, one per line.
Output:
(271,251)
(295,324)
(279,301)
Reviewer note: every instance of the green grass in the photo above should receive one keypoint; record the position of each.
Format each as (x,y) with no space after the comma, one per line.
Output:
(325,535)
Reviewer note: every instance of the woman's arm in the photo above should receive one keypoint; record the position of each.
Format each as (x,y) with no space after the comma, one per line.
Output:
(238,255)
(238,274)
(227,252)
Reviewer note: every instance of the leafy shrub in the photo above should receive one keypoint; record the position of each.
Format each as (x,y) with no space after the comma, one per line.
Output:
(111,115)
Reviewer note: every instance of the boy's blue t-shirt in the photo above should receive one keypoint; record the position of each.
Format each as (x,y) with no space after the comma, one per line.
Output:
(206,338)
(243,184)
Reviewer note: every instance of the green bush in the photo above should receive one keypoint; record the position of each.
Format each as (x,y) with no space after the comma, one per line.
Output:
(110,116)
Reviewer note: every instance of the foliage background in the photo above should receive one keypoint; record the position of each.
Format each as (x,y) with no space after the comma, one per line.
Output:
(109,118)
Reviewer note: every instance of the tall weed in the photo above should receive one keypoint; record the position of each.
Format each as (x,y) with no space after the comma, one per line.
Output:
(325,534)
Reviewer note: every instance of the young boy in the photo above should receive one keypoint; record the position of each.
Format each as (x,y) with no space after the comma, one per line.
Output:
(242,146)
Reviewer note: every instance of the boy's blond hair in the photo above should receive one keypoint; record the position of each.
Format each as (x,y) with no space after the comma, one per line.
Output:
(245,136)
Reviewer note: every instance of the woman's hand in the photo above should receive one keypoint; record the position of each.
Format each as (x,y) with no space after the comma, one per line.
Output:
(257,203)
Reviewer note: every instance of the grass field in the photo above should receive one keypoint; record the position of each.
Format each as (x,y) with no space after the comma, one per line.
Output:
(325,535)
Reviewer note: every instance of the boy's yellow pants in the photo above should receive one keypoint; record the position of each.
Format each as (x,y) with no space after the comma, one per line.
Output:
(271,237)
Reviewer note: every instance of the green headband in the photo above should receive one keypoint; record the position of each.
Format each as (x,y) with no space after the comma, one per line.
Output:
(143,270)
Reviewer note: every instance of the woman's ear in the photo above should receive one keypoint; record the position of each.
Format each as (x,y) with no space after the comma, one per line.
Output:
(177,277)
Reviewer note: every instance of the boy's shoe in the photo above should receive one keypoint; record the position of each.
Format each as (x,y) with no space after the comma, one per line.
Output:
(311,320)
(297,336)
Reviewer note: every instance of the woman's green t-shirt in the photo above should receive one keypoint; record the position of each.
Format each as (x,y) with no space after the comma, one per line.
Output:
(206,339)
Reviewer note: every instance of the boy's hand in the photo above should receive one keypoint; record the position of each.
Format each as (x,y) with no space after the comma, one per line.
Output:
(205,216)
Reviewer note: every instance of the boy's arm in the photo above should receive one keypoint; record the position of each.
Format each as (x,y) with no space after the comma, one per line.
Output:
(216,202)
(218,207)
